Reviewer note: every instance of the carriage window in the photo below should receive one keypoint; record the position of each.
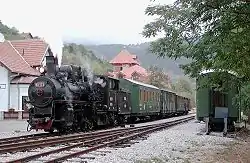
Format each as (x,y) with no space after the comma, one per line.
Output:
(219,99)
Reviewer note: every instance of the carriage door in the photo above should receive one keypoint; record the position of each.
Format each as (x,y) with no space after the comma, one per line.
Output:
(123,102)
(219,104)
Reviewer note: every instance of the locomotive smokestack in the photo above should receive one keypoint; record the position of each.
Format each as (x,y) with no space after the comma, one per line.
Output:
(51,65)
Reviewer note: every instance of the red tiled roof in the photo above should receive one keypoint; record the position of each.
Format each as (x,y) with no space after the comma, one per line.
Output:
(23,80)
(32,50)
(136,68)
(10,58)
(124,57)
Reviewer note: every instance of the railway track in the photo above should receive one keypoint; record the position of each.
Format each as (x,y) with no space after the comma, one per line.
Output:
(79,144)
(25,138)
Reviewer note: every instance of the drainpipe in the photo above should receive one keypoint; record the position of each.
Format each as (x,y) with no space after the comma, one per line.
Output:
(19,110)
(9,92)
(18,96)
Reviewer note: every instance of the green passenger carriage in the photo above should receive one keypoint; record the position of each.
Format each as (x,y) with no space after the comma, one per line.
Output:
(168,103)
(145,98)
(216,106)
(181,105)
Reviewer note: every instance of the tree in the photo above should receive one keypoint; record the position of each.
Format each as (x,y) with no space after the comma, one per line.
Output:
(183,85)
(243,100)
(212,33)
(9,33)
(158,77)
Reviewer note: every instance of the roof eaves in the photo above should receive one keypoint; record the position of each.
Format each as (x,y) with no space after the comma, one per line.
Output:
(1,63)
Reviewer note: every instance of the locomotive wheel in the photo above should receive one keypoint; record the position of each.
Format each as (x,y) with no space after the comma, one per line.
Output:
(90,125)
(113,121)
(86,125)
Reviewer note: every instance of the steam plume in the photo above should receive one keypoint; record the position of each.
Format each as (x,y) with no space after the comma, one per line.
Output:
(56,44)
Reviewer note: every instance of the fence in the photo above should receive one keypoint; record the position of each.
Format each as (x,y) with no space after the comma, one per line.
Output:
(12,114)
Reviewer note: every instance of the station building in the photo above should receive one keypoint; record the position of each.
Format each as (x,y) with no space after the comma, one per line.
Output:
(20,61)
(126,65)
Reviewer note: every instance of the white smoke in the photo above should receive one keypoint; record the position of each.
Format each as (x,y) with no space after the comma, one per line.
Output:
(56,44)
(88,68)
(101,82)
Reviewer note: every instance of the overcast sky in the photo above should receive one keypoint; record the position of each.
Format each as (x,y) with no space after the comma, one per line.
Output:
(111,21)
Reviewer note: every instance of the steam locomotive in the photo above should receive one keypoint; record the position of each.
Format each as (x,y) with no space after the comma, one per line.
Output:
(65,99)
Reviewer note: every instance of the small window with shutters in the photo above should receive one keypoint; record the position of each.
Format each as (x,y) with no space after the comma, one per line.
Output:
(144,95)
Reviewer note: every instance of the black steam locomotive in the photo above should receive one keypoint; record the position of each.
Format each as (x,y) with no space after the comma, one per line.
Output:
(65,99)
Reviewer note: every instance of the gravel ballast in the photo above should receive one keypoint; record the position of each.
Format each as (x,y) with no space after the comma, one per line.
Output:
(182,143)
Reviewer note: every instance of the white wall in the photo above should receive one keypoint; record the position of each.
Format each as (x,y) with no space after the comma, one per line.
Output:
(23,91)
(4,90)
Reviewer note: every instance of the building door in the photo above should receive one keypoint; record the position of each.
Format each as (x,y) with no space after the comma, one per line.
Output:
(24,105)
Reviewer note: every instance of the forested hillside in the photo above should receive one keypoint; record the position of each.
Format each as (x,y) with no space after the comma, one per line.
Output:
(10,33)
(79,55)
(146,58)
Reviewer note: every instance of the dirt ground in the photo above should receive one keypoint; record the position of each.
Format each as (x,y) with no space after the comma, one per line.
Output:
(237,152)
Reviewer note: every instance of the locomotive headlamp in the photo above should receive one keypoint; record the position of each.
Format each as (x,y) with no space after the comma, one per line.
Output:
(42,70)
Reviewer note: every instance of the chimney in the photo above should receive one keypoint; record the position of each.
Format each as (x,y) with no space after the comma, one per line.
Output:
(50,65)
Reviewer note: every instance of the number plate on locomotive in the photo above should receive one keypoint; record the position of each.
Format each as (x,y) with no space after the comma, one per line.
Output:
(39,84)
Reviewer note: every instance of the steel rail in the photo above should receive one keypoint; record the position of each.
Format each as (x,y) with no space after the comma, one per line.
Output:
(103,136)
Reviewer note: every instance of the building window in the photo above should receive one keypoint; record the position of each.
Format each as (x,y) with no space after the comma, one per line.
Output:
(121,68)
